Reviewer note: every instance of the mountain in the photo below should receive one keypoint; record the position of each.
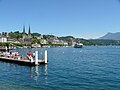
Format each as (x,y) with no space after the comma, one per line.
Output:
(111,36)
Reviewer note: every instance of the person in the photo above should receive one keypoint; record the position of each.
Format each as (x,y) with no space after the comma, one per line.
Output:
(30,56)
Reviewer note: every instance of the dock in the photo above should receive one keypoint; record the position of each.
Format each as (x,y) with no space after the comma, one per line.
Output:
(25,62)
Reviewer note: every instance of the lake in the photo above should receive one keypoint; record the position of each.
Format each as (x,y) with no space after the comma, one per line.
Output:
(68,68)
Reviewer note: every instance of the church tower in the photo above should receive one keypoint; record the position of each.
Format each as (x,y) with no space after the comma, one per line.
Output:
(29,32)
(24,35)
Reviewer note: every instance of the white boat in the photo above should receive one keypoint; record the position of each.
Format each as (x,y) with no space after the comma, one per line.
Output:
(78,45)
(36,46)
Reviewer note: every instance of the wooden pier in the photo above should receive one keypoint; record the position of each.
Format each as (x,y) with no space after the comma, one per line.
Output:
(26,62)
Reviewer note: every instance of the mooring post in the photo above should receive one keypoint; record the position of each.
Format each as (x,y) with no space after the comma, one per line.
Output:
(45,56)
(31,59)
(6,48)
(36,57)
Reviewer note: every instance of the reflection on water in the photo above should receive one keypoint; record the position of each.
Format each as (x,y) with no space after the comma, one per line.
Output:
(88,68)
(46,69)
(31,72)
(37,72)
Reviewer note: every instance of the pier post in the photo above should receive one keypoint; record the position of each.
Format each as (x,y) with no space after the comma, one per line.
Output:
(36,57)
(45,56)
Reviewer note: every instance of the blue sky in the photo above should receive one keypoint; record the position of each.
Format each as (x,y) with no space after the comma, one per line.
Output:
(79,18)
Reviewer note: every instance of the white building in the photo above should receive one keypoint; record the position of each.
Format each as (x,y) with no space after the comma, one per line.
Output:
(43,41)
(39,37)
(3,39)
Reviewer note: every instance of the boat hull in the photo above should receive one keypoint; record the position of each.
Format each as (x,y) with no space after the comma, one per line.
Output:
(78,45)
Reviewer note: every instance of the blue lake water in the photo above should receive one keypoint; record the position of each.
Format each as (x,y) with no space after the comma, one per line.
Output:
(87,68)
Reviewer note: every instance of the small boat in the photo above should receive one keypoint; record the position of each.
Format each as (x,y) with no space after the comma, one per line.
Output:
(35,46)
(78,45)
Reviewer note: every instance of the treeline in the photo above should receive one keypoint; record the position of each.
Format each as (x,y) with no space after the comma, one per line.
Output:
(11,44)
(105,42)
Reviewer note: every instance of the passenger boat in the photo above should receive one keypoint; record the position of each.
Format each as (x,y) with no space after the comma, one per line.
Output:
(78,45)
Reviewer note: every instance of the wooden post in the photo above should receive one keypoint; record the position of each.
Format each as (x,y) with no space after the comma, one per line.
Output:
(36,57)
(45,56)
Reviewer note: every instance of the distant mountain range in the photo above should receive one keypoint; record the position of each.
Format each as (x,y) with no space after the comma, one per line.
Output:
(111,36)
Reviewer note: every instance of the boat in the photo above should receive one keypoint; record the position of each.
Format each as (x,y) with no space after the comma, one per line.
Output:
(35,46)
(78,45)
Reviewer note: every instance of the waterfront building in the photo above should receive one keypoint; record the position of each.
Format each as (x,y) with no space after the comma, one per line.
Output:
(55,40)
(43,41)
(3,39)
(11,40)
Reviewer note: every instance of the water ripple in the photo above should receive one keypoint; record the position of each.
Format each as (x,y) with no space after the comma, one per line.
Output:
(88,68)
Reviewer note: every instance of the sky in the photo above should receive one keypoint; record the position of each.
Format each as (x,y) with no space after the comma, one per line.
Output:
(79,18)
